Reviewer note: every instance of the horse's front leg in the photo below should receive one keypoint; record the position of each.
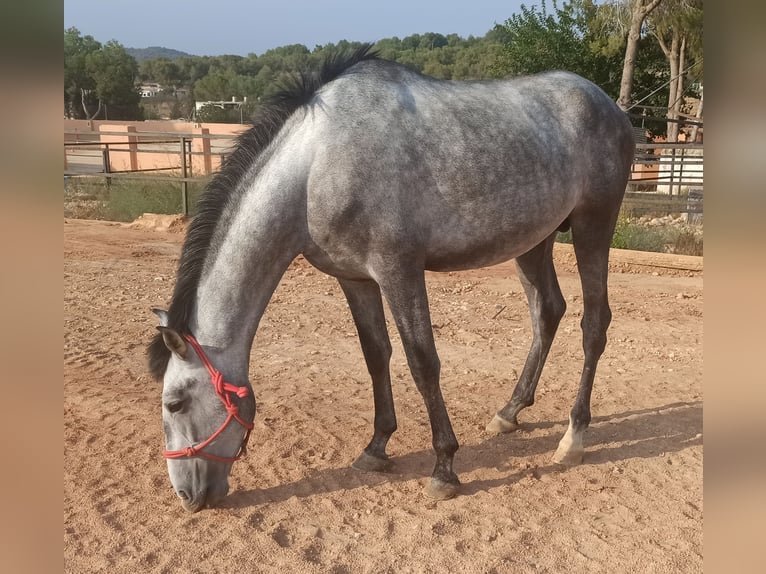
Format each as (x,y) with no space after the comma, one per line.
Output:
(366,306)
(408,301)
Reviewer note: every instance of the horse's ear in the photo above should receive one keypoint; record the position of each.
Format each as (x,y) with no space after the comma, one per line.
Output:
(163,316)
(174,341)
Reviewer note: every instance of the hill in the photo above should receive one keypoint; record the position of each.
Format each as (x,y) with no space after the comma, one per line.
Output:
(141,54)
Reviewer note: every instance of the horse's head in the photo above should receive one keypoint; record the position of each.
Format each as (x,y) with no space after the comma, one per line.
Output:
(206,418)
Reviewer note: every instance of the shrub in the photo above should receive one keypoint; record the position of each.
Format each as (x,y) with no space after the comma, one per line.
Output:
(125,200)
(686,241)
(630,234)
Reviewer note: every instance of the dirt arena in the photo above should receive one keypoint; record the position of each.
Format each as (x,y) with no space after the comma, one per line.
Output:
(295,505)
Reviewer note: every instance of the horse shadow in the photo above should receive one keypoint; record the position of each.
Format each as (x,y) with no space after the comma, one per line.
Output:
(644,433)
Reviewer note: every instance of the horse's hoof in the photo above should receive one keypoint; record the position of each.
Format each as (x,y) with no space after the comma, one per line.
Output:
(499,425)
(368,463)
(441,490)
(568,457)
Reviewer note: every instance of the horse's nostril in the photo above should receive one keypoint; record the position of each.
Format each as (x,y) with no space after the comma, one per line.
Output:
(182,495)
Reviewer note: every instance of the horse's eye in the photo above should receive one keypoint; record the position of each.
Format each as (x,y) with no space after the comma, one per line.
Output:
(174,406)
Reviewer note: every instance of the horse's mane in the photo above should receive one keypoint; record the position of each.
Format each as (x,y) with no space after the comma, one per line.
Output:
(267,122)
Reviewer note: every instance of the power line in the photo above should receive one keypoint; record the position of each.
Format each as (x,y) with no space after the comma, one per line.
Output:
(665,84)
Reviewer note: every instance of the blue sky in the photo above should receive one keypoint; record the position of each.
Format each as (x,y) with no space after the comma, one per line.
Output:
(242,26)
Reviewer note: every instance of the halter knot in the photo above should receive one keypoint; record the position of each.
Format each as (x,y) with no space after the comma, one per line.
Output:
(216,378)
(222,389)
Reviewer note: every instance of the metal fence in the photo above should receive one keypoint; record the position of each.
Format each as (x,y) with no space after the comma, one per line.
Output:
(667,178)
(159,156)
(664,177)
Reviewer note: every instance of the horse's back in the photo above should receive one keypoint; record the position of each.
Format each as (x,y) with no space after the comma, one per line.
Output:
(465,173)
(384,102)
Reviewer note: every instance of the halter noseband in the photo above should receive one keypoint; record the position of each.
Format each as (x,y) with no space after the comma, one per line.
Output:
(223,390)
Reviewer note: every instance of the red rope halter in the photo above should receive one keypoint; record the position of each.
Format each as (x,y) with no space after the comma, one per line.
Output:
(223,390)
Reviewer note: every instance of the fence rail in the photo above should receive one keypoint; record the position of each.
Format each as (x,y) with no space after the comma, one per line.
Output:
(669,168)
(664,176)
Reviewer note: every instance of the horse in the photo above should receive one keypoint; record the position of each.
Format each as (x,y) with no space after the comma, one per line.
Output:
(375,173)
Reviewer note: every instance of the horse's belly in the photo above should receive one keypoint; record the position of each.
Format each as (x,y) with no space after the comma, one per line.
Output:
(464,245)
(454,256)
(445,234)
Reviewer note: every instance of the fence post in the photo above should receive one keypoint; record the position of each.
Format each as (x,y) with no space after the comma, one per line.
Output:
(201,151)
(184,183)
(107,164)
(672,170)
(681,170)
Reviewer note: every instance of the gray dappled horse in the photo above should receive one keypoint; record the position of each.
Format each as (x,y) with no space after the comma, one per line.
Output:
(376,173)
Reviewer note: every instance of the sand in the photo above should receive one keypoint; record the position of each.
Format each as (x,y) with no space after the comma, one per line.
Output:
(295,505)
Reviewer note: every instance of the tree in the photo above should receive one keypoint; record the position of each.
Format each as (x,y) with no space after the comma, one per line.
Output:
(639,10)
(649,77)
(215,86)
(430,40)
(192,68)
(98,79)
(642,67)
(677,26)
(114,72)
(537,40)
(78,84)
(577,35)
(388,48)
(163,71)
(211,113)
(411,42)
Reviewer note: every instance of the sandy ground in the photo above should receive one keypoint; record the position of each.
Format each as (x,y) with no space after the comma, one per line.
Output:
(295,505)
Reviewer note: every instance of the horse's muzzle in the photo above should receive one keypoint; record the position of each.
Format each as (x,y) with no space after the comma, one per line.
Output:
(208,497)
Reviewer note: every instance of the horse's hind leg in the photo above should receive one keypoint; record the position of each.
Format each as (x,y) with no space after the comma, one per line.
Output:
(406,294)
(591,244)
(546,307)
(367,309)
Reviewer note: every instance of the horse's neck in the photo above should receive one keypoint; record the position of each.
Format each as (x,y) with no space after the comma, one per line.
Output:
(262,237)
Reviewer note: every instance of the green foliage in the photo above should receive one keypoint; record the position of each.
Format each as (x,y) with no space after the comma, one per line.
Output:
(125,200)
(77,48)
(588,39)
(538,40)
(447,57)
(212,113)
(192,69)
(632,235)
(99,80)
(581,36)
(217,85)
(219,78)
(163,71)
(153,52)
(683,17)
(565,38)
(650,73)
(114,73)
(686,242)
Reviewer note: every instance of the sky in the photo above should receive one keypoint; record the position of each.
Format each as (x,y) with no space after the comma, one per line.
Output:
(213,28)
